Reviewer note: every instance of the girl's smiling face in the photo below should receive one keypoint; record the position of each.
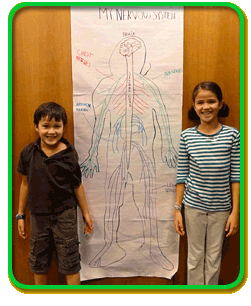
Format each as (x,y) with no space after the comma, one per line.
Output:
(207,106)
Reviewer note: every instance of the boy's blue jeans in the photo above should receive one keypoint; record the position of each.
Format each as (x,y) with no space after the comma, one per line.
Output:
(54,232)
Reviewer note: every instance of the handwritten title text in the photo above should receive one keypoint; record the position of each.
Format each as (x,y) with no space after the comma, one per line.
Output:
(125,14)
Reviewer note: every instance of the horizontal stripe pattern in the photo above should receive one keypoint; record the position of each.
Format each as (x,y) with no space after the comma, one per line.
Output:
(207,164)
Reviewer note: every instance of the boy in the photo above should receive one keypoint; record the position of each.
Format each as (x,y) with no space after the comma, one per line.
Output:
(51,188)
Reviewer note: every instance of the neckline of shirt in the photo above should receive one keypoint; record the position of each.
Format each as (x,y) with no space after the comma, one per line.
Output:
(209,135)
(65,141)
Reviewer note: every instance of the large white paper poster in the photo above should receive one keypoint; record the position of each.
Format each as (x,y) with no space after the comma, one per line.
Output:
(127,101)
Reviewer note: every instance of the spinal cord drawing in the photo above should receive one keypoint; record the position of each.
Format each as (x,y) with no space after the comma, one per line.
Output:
(132,120)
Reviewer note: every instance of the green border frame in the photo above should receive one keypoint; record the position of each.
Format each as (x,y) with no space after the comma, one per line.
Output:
(230,288)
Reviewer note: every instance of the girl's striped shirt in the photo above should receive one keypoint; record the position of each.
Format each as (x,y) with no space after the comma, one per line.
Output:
(207,164)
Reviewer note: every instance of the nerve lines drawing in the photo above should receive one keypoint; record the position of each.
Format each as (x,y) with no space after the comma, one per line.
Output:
(129,115)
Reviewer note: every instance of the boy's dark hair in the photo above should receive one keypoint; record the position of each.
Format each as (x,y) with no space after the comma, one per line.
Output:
(215,88)
(52,110)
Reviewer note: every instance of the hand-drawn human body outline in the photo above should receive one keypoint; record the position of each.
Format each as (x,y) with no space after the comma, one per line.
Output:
(120,103)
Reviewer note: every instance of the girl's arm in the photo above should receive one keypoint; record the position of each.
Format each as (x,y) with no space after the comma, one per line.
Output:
(180,189)
(178,220)
(23,199)
(182,174)
(80,193)
(233,220)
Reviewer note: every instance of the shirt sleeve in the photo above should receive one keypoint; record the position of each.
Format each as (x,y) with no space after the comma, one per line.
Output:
(77,175)
(235,160)
(22,165)
(183,163)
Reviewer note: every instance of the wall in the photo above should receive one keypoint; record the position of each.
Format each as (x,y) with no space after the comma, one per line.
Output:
(42,72)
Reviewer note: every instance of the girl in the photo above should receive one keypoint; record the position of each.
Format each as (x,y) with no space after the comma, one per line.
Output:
(208,174)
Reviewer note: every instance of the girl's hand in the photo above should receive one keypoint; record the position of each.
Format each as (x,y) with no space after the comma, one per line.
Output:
(232,224)
(21,228)
(89,224)
(178,223)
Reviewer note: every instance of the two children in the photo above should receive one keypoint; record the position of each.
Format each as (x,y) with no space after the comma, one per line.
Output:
(207,184)
(51,188)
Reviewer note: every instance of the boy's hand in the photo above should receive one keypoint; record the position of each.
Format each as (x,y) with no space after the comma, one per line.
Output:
(21,228)
(178,223)
(89,224)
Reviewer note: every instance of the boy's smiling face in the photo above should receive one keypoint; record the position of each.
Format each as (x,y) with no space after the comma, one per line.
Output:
(50,131)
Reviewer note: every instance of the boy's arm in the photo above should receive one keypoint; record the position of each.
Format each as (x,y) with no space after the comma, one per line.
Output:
(233,220)
(80,193)
(23,198)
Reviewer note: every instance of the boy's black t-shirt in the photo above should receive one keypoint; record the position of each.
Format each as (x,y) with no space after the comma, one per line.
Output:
(52,180)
